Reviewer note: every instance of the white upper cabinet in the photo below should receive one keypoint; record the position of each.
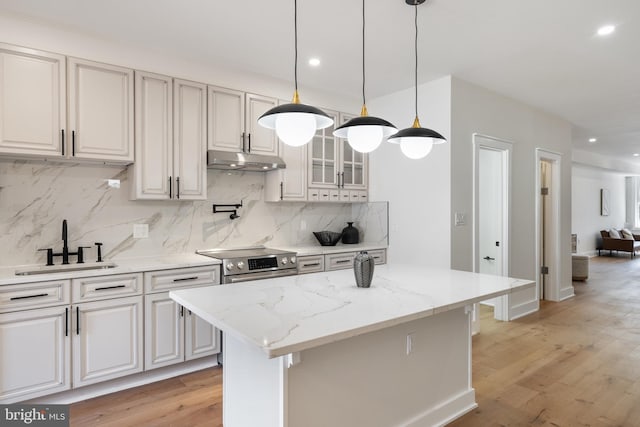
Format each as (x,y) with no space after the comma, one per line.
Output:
(289,183)
(32,101)
(324,153)
(100,111)
(233,122)
(170,139)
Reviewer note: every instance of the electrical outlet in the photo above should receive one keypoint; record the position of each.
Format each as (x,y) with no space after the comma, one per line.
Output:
(460,218)
(140,231)
(113,183)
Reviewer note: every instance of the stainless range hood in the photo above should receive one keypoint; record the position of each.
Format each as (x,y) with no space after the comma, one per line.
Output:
(228,160)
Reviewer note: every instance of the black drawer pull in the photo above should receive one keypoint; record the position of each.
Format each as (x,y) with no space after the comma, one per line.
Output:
(77,320)
(66,321)
(185,279)
(29,296)
(109,287)
(342,261)
(315,264)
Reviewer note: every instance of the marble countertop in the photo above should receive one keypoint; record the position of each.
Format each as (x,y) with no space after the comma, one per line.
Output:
(128,265)
(291,314)
(325,250)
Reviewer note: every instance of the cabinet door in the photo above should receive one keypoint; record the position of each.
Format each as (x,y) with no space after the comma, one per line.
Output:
(100,111)
(163,339)
(323,157)
(339,261)
(107,339)
(260,140)
(226,119)
(189,140)
(200,337)
(32,101)
(35,353)
(152,172)
(353,164)
(289,183)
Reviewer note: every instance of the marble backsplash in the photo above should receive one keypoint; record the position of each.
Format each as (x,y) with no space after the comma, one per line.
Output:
(35,197)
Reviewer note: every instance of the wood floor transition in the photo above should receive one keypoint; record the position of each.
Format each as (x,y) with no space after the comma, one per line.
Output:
(574,363)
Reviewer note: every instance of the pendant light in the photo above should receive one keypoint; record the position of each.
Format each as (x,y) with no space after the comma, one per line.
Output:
(365,133)
(416,142)
(295,123)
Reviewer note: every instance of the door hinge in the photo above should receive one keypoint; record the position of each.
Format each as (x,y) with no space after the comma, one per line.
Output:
(544,270)
(544,191)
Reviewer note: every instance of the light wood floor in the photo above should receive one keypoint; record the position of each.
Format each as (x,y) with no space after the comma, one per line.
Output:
(574,363)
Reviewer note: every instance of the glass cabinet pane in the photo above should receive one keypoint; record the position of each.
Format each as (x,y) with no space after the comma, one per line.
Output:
(348,174)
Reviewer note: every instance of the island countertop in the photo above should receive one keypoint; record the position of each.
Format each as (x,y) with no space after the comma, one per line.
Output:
(291,314)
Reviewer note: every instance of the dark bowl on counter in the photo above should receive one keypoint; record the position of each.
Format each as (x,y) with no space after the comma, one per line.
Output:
(327,238)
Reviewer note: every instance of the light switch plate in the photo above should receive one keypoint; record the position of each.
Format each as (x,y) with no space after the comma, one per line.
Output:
(140,231)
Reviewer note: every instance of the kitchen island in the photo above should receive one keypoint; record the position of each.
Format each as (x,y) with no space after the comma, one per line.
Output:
(315,350)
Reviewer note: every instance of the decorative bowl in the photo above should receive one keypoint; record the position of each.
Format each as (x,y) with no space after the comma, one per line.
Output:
(327,238)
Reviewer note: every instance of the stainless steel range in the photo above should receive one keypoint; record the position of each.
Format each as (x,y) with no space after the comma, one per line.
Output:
(241,265)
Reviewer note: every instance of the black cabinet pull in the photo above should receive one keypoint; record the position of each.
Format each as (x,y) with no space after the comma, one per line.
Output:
(73,143)
(185,279)
(66,321)
(181,311)
(177,187)
(243,139)
(249,138)
(77,320)
(109,287)
(28,296)
(281,190)
(63,142)
(342,261)
(342,179)
(314,264)
(170,187)
(488,258)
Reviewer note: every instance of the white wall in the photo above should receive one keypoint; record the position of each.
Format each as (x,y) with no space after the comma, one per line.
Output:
(478,110)
(586,220)
(418,191)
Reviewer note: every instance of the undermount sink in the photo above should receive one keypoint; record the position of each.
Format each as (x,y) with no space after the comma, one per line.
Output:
(65,268)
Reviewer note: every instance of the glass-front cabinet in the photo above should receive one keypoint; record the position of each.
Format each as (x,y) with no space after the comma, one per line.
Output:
(335,165)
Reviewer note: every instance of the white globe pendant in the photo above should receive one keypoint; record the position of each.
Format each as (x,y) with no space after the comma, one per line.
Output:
(295,129)
(415,148)
(365,139)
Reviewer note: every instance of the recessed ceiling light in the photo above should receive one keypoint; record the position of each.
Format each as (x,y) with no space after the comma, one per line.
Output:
(314,62)
(592,140)
(606,30)
(636,154)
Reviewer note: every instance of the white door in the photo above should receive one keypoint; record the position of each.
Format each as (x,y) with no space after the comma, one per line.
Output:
(492,162)
(32,101)
(100,111)
(35,353)
(200,337)
(260,140)
(153,168)
(190,140)
(226,119)
(107,339)
(163,335)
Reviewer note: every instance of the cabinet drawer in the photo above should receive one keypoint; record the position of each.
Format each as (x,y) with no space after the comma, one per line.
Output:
(104,287)
(379,255)
(34,295)
(165,280)
(339,261)
(310,264)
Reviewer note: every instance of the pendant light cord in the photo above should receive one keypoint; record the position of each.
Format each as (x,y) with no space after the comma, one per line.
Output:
(416,57)
(295,30)
(364,100)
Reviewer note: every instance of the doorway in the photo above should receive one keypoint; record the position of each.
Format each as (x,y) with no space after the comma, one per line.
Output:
(548,223)
(492,177)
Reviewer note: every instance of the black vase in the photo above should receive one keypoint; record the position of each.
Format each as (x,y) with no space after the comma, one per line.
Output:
(350,234)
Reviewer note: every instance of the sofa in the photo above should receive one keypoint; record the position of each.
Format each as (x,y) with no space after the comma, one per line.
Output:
(620,241)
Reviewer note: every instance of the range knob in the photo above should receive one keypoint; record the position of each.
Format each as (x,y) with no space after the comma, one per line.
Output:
(284,260)
(240,265)
(293,260)
(230,266)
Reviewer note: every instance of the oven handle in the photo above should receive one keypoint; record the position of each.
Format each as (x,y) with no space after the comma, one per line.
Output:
(257,276)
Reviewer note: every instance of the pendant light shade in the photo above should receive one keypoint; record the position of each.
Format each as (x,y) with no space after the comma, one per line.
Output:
(416,142)
(295,123)
(365,133)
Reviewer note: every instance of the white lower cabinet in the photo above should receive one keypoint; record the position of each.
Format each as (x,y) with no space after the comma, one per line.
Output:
(107,339)
(35,349)
(172,333)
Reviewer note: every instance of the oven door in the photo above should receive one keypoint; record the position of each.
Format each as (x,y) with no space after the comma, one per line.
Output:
(259,275)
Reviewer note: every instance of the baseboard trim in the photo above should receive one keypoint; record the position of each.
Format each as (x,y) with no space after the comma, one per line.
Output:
(524,309)
(446,412)
(130,381)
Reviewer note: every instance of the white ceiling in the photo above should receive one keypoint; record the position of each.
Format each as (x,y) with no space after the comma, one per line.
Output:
(544,52)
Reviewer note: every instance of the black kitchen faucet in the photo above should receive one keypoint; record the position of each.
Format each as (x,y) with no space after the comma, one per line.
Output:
(65,249)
